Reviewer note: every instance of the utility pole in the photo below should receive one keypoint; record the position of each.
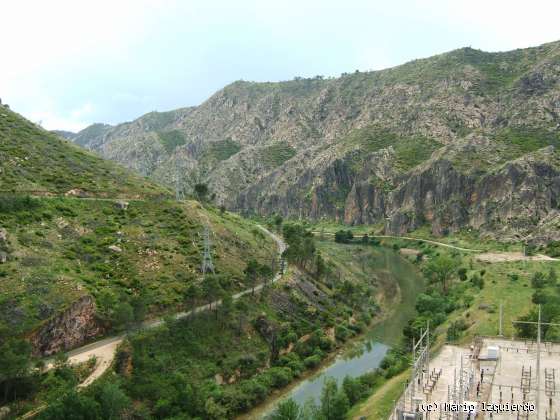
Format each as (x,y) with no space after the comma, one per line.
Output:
(500,332)
(420,362)
(207,264)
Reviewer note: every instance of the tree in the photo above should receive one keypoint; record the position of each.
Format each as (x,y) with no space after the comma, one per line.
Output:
(211,288)
(340,406)
(264,272)
(477,281)
(328,393)
(201,191)
(441,269)
(538,281)
(123,315)
(308,251)
(15,360)
(343,236)
(310,411)
(552,277)
(72,406)
(278,221)
(251,274)
(113,401)
(553,332)
(462,272)
(192,294)
(286,410)
(320,266)
(353,389)
(227,305)
(139,308)
(334,402)
(242,308)
(214,410)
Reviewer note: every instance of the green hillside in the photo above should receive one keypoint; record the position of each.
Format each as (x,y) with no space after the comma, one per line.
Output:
(134,258)
(33,159)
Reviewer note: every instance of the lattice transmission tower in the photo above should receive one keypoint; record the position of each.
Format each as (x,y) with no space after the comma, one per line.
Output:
(207,264)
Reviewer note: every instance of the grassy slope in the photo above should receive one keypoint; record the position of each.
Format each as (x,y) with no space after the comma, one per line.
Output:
(32,159)
(59,246)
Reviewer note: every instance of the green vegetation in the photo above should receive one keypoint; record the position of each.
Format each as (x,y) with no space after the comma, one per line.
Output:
(35,160)
(463,299)
(158,121)
(336,401)
(220,150)
(276,154)
(136,259)
(523,140)
(172,139)
(217,365)
(67,248)
(343,236)
(409,151)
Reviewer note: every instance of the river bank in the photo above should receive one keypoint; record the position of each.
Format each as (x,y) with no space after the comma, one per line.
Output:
(365,352)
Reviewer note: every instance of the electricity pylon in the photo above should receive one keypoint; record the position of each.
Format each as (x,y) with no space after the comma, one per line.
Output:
(207,264)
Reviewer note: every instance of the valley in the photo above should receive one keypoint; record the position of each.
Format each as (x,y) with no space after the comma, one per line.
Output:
(277,251)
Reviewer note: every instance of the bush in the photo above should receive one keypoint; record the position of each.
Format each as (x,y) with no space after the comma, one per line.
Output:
(343,236)
(15,203)
(477,281)
(281,376)
(538,281)
(455,329)
(513,277)
(312,361)
(341,333)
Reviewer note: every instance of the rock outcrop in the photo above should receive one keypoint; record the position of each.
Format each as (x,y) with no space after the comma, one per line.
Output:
(69,329)
(430,141)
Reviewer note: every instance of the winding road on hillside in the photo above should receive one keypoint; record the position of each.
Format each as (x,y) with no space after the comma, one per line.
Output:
(104,350)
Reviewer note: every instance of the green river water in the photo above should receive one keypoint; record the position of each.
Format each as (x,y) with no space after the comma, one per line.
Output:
(366,354)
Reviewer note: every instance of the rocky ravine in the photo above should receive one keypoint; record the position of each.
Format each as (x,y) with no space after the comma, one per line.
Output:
(457,140)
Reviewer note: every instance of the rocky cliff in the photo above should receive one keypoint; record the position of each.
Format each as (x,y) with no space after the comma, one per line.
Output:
(431,141)
(69,329)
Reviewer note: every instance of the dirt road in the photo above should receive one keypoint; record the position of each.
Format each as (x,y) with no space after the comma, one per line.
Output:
(104,350)
(408,238)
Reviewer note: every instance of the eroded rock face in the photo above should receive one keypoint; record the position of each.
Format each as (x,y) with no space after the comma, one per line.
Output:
(447,192)
(68,330)
(342,155)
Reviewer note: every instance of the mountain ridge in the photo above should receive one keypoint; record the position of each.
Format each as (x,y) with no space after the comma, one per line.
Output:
(307,148)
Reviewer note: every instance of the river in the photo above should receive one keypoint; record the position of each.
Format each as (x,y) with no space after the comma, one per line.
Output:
(366,354)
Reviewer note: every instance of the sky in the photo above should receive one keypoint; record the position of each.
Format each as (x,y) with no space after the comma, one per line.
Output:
(69,63)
